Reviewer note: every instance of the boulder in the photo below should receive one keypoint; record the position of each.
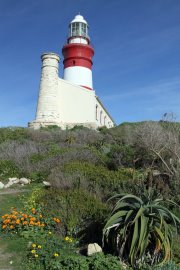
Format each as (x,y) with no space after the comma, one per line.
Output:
(93,248)
(1,185)
(24,181)
(8,184)
(46,184)
(12,179)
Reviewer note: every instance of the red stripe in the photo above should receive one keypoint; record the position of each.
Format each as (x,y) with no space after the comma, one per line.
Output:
(86,87)
(78,55)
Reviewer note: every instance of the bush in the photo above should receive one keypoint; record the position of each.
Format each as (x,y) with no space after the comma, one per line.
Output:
(98,180)
(8,169)
(82,214)
(167,266)
(13,133)
(61,260)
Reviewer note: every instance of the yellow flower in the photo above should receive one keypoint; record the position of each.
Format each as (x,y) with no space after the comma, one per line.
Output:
(33,245)
(56,254)
(68,239)
(36,255)
(39,246)
(50,232)
(33,251)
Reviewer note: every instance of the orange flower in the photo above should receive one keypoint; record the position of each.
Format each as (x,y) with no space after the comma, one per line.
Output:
(31,222)
(11,227)
(38,223)
(40,216)
(18,221)
(6,221)
(33,218)
(25,223)
(22,218)
(42,225)
(57,220)
(4,226)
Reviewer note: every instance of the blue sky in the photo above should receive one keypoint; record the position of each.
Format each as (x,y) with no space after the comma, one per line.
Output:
(136,71)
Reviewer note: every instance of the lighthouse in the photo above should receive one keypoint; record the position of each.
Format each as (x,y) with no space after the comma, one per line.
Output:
(70,101)
(78,54)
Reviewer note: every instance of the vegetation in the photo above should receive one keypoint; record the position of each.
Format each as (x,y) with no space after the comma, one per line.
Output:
(86,168)
(139,231)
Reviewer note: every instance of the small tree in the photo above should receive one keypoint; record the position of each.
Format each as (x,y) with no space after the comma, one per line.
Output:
(139,230)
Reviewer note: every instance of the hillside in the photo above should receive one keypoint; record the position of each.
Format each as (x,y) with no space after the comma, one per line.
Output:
(84,168)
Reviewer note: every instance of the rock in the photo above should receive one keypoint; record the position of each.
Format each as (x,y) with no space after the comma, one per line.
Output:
(47,184)
(12,179)
(1,185)
(24,181)
(9,184)
(16,181)
(93,248)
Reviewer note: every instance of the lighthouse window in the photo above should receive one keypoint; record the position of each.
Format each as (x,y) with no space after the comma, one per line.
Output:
(76,29)
(83,29)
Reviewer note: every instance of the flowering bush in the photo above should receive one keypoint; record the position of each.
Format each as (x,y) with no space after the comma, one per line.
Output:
(48,252)
(19,221)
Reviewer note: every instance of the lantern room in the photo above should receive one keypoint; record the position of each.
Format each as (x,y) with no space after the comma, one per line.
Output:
(78,27)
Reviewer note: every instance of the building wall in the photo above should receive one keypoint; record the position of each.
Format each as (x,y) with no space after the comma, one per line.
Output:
(101,115)
(75,105)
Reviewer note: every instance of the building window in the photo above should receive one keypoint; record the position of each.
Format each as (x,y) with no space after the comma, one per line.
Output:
(104,120)
(96,112)
(101,117)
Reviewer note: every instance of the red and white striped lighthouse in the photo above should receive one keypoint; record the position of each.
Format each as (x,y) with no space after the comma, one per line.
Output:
(78,54)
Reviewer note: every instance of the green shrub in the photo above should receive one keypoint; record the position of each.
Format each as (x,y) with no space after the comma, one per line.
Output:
(97,180)
(167,266)
(13,133)
(81,213)
(8,169)
(69,261)
(176,248)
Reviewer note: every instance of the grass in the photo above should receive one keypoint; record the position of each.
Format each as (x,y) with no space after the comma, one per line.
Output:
(11,249)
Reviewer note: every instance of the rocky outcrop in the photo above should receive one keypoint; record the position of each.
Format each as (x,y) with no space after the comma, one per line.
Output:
(14,180)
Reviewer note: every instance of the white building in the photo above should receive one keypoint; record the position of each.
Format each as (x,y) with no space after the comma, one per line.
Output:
(70,101)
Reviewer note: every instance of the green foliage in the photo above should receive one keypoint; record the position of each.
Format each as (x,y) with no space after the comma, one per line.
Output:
(167,266)
(81,213)
(121,156)
(97,180)
(13,133)
(39,176)
(138,230)
(176,248)
(8,169)
(102,262)
(67,259)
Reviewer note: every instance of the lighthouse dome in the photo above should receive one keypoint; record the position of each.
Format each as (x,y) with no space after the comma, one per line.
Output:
(79,18)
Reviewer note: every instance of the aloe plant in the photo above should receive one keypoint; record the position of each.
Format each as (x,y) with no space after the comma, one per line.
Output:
(139,229)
